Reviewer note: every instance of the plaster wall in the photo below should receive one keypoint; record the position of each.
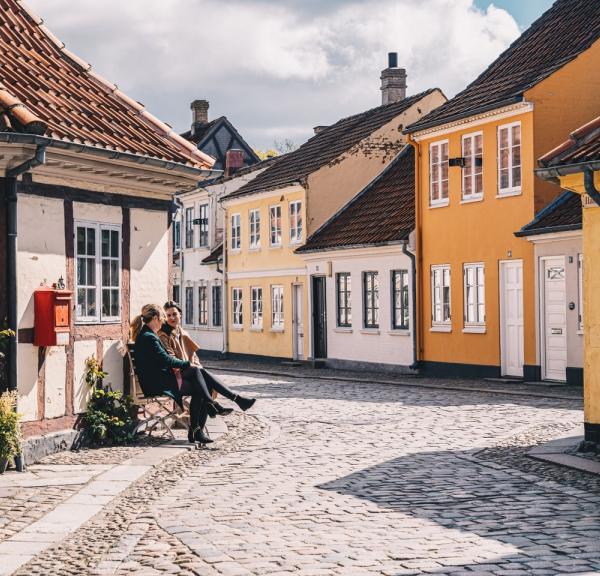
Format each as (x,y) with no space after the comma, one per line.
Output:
(56,369)
(82,349)
(97,213)
(112,363)
(384,345)
(333,185)
(41,256)
(482,231)
(570,248)
(149,276)
(27,366)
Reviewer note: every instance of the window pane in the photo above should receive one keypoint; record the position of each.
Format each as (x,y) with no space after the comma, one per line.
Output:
(114,244)
(105,239)
(91,302)
(80,240)
(105,302)
(81,272)
(114,273)
(91,272)
(503,179)
(504,138)
(516,173)
(91,242)
(516,135)
(105,272)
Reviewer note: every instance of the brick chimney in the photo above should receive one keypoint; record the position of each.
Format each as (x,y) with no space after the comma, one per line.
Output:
(234,160)
(199,112)
(393,81)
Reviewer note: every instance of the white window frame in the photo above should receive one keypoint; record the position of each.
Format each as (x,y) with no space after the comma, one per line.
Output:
(177,235)
(237,307)
(440,201)
(98,318)
(274,229)
(370,299)
(296,222)
(204,228)
(256,307)
(236,231)
(343,312)
(189,227)
(511,190)
(437,289)
(277,317)
(254,229)
(477,290)
(471,170)
(580,309)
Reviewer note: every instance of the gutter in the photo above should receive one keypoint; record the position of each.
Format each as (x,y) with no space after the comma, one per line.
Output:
(12,236)
(554,173)
(413,260)
(16,138)
(590,187)
(548,230)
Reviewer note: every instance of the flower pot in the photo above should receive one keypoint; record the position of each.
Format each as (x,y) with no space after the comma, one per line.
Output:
(20,463)
(3,464)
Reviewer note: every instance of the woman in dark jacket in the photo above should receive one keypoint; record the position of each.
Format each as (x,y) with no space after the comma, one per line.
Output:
(157,371)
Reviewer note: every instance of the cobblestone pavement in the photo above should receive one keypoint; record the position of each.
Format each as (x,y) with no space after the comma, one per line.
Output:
(355,478)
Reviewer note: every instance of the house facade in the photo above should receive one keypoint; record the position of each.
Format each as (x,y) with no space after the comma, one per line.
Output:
(96,172)
(575,164)
(476,187)
(271,216)
(360,268)
(198,264)
(558,254)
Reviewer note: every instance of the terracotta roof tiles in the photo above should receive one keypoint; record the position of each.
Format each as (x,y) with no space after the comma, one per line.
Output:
(46,89)
(582,146)
(381,213)
(563,32)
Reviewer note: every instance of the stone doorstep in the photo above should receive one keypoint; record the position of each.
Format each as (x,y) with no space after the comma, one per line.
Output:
(559,452)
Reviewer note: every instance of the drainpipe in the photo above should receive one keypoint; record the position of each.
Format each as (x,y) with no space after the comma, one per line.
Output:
(413,260)
(590,187)
(11,229)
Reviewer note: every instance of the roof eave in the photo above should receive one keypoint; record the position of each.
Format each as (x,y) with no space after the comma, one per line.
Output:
(555,172)
(301,250)
(547,230)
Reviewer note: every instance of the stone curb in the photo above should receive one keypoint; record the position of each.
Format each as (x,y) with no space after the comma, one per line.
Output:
(397,383)
(561,452)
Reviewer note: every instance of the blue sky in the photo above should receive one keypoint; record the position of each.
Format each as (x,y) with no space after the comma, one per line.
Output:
(523,11)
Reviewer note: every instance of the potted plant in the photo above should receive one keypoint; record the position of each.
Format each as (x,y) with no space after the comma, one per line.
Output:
(5,335)
(10,429)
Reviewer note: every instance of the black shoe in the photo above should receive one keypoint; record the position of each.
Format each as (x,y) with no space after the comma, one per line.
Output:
(244,403)
(221,410)
(211,409)
(198,435)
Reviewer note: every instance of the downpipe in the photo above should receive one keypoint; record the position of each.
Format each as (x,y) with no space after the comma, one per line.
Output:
(590,186)
(12,236)
(413,261)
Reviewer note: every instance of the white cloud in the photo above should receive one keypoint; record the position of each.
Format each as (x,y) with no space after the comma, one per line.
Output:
(275,66)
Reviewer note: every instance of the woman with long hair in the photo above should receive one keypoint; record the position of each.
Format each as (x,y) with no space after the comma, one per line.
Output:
(157,372)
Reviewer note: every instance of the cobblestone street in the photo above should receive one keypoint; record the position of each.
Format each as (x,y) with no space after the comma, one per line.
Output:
(328,477)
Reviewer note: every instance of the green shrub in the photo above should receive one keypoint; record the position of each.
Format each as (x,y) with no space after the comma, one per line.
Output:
(109,416)
(10,428)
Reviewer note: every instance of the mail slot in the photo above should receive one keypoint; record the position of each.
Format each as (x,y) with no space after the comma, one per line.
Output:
(556,331)
(52,310)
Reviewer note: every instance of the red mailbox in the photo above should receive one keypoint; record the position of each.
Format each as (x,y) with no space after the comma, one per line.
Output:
(52,309)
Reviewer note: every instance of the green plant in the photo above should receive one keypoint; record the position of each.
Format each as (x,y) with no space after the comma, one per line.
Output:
(108,418)
(5,336)
(10,428)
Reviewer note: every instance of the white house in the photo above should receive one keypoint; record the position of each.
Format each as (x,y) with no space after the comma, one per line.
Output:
(88,177)
(556,233)
(361,274)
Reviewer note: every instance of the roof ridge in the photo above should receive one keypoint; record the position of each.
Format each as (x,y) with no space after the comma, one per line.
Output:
(140,109)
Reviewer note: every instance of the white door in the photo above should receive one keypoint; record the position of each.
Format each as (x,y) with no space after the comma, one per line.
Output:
(511,309)
(298,322)
(554,331)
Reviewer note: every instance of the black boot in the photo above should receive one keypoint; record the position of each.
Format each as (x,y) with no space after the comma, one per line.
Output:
(244,403)
(212,409)
(222,411)
(200,437)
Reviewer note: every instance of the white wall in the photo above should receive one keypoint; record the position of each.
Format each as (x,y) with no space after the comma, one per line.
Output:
(383,345)
(113,365)
(27,366)
(56,369)
(82,350)
(149,278)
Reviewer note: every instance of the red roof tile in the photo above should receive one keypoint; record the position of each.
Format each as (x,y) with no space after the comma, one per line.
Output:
(563,32)
(45,89)
(582,146)
(381,213)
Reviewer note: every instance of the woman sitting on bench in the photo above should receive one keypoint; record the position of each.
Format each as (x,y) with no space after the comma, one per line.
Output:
(157,369)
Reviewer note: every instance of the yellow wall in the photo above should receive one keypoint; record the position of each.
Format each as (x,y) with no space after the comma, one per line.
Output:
(476,232)
(335,184)
(265,267)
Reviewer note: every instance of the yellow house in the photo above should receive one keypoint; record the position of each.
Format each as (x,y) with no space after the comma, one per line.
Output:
(576,165)
(271,216)
(476,187)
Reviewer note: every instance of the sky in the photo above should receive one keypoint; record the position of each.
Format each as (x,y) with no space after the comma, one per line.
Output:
(277,68)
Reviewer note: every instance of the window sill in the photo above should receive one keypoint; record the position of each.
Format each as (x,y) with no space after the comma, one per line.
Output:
(295,242)
(235,250)
(447,328)
(440,204)
(277,330)
(343,330)
(580,332)
(472,200)
(509,193)
(237,328)
(399,332)
(96,322)
(276,246)
(474,330)
(254,249)
(255,329)
(209,328)
(373,331)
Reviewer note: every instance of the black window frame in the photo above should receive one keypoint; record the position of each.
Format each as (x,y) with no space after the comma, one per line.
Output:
(217,305)
(189,227)
(203,222)
(343,313)
(189,305)
(202,305)
(374,305)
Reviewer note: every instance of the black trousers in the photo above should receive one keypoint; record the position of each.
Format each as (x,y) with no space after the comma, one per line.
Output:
(199,383)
